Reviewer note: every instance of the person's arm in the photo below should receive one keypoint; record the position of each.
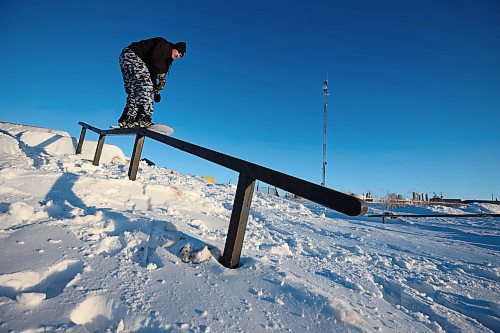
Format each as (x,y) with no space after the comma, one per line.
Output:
(160,58)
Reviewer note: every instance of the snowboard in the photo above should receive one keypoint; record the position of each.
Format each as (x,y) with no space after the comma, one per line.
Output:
(159,128)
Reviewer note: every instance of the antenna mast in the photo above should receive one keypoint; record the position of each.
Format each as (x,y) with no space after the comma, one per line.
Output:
(325,94)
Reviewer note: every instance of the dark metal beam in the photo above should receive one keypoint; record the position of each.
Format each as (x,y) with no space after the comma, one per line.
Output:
(113,131)
(80,141)
(136,157)
(90,127)
(238,222)
(98,151)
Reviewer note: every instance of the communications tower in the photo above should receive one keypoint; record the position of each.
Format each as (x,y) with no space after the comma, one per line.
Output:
(325,95)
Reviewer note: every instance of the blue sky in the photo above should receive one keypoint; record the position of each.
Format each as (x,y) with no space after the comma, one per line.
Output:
(414,85)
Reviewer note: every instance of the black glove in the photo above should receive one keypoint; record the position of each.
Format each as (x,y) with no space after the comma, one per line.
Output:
(157,97)
(161,81)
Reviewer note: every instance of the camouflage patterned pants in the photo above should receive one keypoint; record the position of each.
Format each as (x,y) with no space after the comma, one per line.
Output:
(138,86)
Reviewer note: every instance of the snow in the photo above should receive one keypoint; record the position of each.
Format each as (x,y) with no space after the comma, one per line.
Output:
(83,249)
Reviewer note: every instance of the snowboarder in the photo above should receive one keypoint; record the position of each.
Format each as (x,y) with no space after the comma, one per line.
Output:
(144,67)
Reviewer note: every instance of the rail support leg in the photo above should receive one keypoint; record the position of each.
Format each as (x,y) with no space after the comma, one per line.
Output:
(80,142)
(136,157)
(238,223)
(98,151)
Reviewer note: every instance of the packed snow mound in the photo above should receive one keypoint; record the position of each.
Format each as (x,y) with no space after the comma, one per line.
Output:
(84,249)
(486,208)
(9,146)
(20,139)
(53,143)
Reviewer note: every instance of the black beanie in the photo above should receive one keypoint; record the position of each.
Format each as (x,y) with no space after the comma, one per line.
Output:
(181,47)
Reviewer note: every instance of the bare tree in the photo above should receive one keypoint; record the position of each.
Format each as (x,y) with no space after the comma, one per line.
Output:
(393,200)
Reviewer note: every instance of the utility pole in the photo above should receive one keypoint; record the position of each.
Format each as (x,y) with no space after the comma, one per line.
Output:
(325,94)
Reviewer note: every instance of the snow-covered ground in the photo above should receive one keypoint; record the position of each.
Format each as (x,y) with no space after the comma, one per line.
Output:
(83,249)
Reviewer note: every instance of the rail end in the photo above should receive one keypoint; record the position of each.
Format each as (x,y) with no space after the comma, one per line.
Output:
(360,208)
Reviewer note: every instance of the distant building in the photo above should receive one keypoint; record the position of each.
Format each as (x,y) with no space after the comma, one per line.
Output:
(496,202)
(419,197)
(445,200)
(452,200)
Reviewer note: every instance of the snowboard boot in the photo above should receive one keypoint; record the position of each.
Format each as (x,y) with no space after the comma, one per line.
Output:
(145,121)
(127,123)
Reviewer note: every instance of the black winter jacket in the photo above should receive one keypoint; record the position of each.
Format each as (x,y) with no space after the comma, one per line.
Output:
(156,54)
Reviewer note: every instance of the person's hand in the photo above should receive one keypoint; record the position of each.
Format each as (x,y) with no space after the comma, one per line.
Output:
(157,97)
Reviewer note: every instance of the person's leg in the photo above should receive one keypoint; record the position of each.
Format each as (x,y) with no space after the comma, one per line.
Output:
(128,116)
(128,64)
(144,95)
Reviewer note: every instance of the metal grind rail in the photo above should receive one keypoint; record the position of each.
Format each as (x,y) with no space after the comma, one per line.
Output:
(249,173)
(395,216)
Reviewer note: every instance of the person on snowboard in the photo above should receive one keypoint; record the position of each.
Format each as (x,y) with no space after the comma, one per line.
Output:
(144,67)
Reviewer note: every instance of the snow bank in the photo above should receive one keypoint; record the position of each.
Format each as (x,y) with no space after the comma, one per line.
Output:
(25,140)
